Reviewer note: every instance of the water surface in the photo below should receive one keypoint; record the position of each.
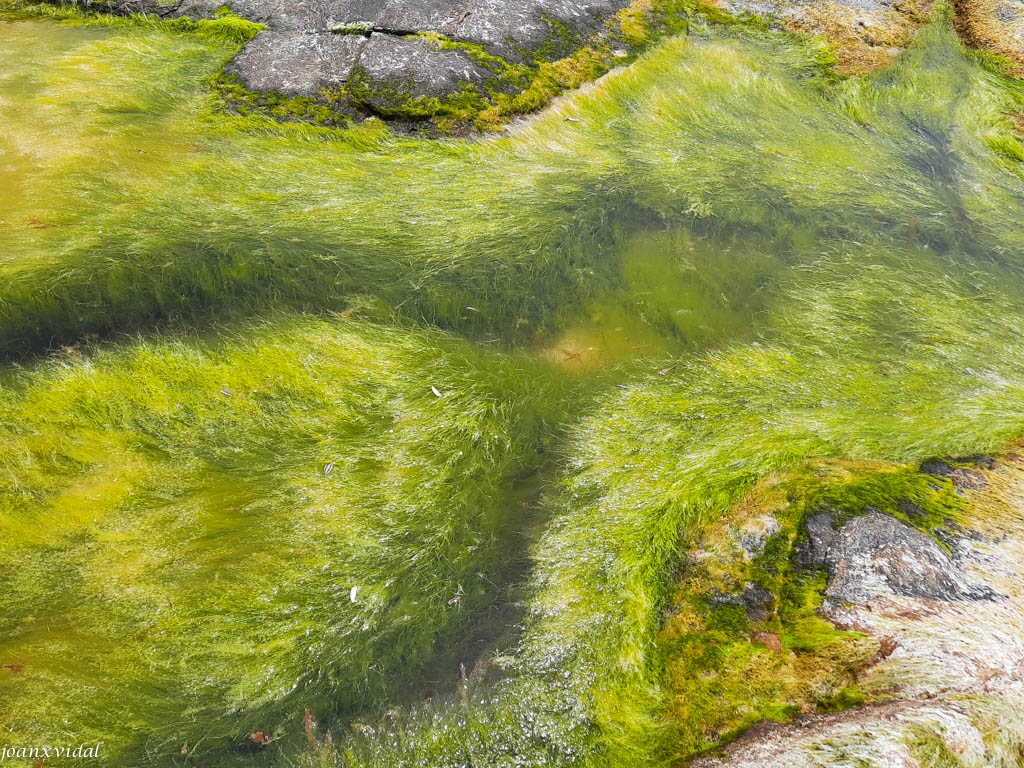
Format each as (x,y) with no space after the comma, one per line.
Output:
(407,434)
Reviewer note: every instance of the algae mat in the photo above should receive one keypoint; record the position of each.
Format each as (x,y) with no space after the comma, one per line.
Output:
(330,448)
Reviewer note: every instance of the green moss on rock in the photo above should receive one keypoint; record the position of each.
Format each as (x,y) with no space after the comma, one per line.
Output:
(744,641)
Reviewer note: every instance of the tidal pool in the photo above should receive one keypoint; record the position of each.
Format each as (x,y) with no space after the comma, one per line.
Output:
(334,448)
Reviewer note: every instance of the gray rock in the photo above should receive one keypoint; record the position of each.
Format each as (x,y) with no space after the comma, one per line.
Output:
(196,9)
(754,535)
(503,26)
(937,468)
(409,16)
(1008,13)
(297,54)
(909,508)
(414,68)
(297,62)
(968,479)
(753,544)
(812,552)
(875,555)
(963,479)
(759,602)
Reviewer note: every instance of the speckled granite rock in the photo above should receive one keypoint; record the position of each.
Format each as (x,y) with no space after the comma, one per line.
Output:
(413,68)
(298,62)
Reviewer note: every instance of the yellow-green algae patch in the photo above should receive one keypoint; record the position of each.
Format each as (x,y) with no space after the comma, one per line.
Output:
(303,516)
(855,295)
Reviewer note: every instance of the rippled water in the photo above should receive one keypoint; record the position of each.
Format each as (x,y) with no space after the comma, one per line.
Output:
(405,434)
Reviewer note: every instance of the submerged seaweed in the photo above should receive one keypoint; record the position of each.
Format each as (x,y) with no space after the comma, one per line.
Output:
(538,365)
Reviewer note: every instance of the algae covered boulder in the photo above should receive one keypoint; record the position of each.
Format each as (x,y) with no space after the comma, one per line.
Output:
(941,608)
(383,56)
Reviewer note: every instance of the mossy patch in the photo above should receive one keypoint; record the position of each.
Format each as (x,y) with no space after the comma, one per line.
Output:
(225,26)
(326,109)
(979,25)
(930,749)
(922,501)
(743,641)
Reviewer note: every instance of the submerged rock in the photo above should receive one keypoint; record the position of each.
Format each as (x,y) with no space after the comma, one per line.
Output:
(876,555)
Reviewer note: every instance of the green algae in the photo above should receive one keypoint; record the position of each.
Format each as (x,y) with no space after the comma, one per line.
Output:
(802,268)
(930,749)
(733,659)
(322,451)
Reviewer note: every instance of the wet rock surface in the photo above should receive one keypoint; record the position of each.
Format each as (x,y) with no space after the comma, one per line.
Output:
(876,555)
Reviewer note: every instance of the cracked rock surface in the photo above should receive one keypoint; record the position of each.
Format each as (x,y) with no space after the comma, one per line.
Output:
(309,44)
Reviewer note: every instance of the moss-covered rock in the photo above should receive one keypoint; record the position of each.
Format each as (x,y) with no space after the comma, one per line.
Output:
(897,621)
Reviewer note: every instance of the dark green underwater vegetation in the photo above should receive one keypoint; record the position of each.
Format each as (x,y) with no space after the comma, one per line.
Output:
(335,448)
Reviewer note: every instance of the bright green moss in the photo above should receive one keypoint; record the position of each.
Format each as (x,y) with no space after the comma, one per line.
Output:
(922,501)
(304,109)
(225,27)
(733,656)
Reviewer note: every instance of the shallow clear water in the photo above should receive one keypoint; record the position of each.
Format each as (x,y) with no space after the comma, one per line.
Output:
(303,420)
